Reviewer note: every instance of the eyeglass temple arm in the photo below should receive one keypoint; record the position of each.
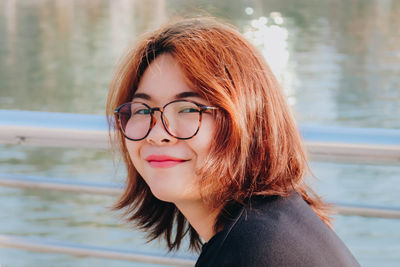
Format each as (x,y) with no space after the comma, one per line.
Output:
(207,107)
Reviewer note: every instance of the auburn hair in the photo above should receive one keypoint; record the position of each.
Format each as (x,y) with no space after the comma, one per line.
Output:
(257,149)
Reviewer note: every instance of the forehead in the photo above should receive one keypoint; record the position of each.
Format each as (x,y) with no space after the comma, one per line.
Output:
(163,80)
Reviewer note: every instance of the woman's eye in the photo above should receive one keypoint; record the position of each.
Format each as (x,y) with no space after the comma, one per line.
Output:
(142,112)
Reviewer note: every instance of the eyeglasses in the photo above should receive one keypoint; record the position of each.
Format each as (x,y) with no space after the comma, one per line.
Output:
(181,119)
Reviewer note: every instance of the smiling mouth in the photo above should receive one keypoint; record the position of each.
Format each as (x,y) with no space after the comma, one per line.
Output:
(165,163)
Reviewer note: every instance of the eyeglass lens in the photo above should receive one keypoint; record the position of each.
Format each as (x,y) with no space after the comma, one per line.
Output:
(181,119)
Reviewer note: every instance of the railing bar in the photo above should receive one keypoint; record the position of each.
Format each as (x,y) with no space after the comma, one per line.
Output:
(337,144)
(39,245)
(349,210)
(18,181)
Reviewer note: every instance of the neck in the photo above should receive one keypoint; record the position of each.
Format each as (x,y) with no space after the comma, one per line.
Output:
(200,217)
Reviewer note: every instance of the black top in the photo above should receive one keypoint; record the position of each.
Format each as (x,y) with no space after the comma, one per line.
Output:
(276,231)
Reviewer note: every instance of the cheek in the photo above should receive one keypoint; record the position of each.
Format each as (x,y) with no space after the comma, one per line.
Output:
(134,152)
(204,139)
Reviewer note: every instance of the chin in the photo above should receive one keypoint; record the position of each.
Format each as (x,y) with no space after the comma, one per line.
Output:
(168,192)
(174,193)
(164,198)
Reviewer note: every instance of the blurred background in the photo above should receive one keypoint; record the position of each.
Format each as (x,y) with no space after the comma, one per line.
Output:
(338,61)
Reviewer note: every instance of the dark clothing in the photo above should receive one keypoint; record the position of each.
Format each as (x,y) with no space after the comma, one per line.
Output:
(276,231)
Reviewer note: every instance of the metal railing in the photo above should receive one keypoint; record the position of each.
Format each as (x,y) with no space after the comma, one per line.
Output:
(113,189)
(378,146)
(79,130)
(46,246)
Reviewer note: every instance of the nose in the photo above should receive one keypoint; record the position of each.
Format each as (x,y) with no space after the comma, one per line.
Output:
(158,133)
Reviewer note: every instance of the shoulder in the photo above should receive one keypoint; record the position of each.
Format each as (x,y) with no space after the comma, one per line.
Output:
(282,231)
(266,233)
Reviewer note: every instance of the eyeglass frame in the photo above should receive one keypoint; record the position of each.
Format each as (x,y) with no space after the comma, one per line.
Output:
(153,120)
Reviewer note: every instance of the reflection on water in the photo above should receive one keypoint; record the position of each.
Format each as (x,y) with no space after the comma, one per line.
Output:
(338,61)
(341,56)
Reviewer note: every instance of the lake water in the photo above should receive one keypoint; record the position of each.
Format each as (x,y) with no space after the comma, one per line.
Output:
(339,62)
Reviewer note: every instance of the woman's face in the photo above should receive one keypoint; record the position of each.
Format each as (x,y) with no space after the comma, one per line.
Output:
(168,164)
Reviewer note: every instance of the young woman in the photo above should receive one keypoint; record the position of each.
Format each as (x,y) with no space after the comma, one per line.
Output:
(212,152)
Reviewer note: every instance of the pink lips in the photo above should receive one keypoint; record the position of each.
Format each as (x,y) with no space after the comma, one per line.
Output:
(163,161)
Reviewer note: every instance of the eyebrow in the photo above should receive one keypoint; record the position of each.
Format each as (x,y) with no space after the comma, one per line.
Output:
(180,95)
